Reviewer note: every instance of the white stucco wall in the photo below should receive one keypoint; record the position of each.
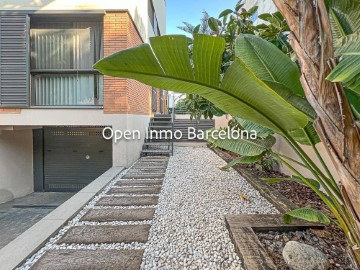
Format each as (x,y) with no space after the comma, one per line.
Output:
(16,164)
(138,9)
(282,147)
(86,117)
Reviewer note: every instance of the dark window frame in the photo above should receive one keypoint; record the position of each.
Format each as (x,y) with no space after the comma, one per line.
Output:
(69,19)
(153,18)
(154,99)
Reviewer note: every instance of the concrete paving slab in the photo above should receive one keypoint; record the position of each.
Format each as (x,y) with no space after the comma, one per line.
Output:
(90,259)
(16,221)
(128,201)
(105,234)
(135,190)
(103,215)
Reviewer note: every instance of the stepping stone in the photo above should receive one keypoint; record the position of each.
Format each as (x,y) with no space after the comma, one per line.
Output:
(136,190)
(149,168)
(142,176)
(102,234)
(103,215)
(128,201)
(146,172)
(90,259)
(140,182)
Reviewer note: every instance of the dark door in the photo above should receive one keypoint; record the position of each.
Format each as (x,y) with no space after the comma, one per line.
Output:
(74,157)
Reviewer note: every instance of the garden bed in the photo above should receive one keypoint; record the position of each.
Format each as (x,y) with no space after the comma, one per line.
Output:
(331,240)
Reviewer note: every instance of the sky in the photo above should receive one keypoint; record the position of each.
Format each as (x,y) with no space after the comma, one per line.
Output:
(178,11)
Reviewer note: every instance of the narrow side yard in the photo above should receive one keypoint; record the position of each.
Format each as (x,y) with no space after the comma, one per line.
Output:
(188,230)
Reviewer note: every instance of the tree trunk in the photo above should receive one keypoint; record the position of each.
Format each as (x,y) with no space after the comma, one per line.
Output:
(311,40)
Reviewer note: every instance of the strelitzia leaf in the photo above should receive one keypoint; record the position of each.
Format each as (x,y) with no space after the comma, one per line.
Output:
(243,160)
(262,132)
(170,69)
(269,63)
(245,147)
(348,45)
(354,99)
(347,72)
(308,214)
(306,136)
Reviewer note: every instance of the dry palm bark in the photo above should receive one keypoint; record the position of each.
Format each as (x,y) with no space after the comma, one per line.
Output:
(311,39)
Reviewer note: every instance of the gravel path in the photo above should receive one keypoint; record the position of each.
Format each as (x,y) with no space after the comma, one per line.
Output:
(188,230)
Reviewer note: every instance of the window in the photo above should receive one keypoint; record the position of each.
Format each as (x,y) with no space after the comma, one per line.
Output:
(153,18)
(154,99)
(63,51)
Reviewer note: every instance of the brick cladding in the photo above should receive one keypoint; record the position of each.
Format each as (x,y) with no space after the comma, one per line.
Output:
(123,96)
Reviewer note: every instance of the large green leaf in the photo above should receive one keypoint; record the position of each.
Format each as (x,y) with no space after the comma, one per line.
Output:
(306,135)
(241,93)
(243,160)
(344,17)
(298,102)
(261,131)
(347,72)
(354,99)
(296,179)
(348,45)
(268,62)
(308,214)
(244,147)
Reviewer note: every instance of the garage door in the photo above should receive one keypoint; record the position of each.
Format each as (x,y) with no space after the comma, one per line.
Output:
(74,157)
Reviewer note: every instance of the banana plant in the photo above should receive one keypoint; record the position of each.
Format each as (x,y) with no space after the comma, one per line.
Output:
(345,17)
(266,95)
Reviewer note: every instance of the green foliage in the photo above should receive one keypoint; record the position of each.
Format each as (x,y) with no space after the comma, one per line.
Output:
(198,107)
(354,99)
(244,146)
(345,22)
(262,132)
(243,160)
(308,214)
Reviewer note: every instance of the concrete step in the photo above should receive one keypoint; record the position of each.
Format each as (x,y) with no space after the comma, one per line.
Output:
(90,259)
(168,144)
(128,201)
(105,215)
(104,234)
(136,190)
(140,182)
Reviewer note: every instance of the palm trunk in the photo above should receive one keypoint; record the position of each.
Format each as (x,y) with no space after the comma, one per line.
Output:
(311,39)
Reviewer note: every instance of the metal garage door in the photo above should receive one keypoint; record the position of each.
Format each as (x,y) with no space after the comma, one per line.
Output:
(74,156)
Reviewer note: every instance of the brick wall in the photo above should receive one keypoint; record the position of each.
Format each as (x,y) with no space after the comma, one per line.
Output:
(14,111)
(123,96)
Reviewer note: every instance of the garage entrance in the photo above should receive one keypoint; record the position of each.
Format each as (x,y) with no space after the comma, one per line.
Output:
(73,157)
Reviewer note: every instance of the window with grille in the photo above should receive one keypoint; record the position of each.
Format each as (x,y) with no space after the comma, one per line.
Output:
(154,100)
(63,51)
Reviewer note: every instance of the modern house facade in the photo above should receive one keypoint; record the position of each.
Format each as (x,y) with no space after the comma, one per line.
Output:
(54,105)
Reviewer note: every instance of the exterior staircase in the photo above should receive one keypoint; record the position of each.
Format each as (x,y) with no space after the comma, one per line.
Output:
(184,124)
(159,146)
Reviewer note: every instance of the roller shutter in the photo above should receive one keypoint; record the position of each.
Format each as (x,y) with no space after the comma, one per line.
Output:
(74,157)
(14,60)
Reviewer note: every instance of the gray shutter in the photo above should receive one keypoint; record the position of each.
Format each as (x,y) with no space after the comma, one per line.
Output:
(14,60)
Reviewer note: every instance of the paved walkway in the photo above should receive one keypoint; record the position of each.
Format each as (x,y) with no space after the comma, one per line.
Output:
(112,230)
(20,214)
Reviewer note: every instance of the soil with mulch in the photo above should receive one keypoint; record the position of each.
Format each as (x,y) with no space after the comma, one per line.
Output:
(331,240)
